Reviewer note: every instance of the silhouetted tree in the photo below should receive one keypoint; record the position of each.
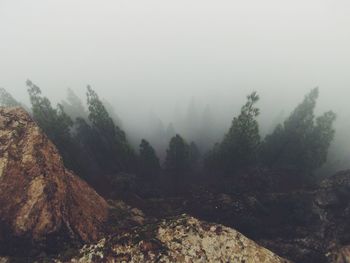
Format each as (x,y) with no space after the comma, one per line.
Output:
(86,139)
(301,142)
(148,161)
(240,145)
(178,156)
(113,147)
(54,122)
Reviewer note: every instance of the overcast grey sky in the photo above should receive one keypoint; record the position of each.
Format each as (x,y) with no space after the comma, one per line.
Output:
(156,54)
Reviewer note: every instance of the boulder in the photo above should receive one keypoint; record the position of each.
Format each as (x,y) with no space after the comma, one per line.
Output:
(39,197)
(178,239)
(342,255)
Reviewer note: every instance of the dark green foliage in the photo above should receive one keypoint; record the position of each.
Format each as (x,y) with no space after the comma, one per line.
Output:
(240,145)
(54,122)
(89,148)
(86,138)
(301,142)
(7,100)
(112,148)
(178,156)
(148,161)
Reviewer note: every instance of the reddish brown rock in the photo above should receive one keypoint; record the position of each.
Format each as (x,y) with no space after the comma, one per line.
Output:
(38,195)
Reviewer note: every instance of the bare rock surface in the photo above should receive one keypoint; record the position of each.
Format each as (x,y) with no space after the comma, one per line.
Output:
(179,239)
(342,255)
(39,197)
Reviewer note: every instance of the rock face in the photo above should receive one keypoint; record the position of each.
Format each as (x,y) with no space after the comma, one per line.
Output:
(342,255)
(310,224)
(39,197)
(180,239)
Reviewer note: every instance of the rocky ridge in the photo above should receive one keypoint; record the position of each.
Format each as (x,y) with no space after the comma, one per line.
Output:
(179,239)
(39,198)
(42,205)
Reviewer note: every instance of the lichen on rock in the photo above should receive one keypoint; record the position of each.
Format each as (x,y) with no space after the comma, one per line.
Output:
(179,239)
(39,197)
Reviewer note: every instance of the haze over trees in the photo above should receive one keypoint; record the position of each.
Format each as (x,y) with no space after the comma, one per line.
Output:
(7,100)
(149,165)
(54,122)
(73,106)
(303,140)
(239,148)
(93,144)
(177,159)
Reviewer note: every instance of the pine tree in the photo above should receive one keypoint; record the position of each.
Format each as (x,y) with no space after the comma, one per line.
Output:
(301,142)
(54,122)
(148,161)
(240,145)
(113,145)
(90,154)
(178,156)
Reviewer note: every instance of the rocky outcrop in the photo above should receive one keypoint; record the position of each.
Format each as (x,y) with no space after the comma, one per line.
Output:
(310,224)
(39,197)
(180,239)
(342,255)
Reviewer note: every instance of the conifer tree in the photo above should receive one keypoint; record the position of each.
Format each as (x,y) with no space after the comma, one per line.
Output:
(112,143)
(240,145)
(302,141)
(148,161)
(177,156)
(54,122)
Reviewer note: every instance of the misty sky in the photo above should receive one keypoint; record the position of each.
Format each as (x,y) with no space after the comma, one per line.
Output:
(157,54)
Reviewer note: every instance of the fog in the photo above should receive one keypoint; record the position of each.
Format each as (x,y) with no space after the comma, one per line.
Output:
(152,58)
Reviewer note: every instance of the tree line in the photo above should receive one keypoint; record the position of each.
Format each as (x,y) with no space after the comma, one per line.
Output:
(92,142)
(301,141)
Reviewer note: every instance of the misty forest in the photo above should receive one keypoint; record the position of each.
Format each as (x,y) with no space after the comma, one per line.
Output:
(191,144)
